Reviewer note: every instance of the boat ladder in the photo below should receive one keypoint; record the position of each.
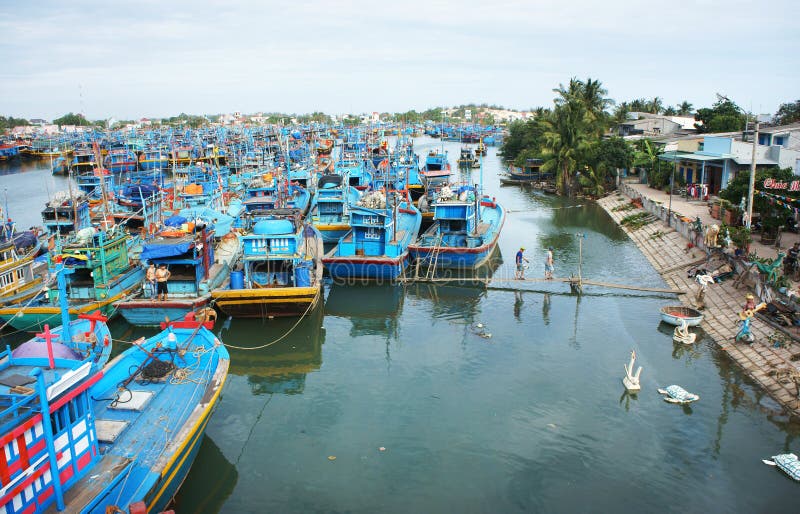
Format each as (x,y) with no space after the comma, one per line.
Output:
(433,258)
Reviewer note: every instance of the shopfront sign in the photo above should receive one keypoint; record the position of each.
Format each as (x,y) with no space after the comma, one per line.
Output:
(771,183)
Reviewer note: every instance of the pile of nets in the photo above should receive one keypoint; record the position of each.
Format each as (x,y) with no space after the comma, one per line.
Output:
(373,200)
(62,197)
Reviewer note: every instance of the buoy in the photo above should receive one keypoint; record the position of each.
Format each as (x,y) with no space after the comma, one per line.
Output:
(331,457)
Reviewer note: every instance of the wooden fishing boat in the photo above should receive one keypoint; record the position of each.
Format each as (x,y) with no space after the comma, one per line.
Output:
(330,207)
(119,160)
(675,314)
(282,269)
(377,246)
(117,439)
(464,232)
(99,275)
(197,265)
(20,279)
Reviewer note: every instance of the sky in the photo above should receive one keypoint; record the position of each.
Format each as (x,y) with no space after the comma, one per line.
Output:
(147,58)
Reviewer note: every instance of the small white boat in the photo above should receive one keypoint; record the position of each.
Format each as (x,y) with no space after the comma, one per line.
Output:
(675,314)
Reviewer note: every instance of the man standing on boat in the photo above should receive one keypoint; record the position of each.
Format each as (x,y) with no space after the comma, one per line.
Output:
(548,264)
(520,271)
(162,275)
(151,280)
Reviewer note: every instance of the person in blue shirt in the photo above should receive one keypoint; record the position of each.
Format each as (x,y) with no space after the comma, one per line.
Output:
(520,272)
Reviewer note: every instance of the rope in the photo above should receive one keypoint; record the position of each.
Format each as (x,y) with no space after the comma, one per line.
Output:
(281,338)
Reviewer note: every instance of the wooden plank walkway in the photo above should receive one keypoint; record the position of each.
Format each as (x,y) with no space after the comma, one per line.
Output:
(585,282)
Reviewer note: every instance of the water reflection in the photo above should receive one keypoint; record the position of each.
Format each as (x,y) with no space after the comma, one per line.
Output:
(546,308)
(372,309)
(204,491)
(281,367)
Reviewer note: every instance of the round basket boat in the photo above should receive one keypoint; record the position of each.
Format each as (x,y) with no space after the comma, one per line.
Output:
(674,314)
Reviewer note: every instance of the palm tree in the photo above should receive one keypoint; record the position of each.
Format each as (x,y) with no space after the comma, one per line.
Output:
(685,108)
(670,111)
(656,105)
(565,139)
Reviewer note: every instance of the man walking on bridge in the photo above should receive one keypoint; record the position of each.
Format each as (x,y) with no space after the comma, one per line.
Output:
(548,264)
(519,274)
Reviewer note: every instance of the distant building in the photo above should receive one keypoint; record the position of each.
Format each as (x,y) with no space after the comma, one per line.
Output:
(37,122)
(645,124)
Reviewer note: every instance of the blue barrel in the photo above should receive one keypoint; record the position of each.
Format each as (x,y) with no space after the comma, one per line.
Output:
(237,279)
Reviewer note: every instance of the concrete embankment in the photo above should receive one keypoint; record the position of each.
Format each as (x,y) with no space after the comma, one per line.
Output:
(666,249)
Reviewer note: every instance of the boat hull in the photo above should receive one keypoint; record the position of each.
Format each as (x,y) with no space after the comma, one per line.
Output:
(266,302)
(151,313)
(365,268)
(34,318)
(462,257)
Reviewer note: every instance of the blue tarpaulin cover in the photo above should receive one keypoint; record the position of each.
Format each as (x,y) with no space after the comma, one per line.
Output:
(161,250)
(175,221)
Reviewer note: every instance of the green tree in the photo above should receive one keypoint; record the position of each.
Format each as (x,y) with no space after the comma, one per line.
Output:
(723,116)
(10,122)
(670,111)
(739,187)
(685,108)
(788,113)
(72,119)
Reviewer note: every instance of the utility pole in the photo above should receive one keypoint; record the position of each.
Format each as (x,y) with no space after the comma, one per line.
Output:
(752,177)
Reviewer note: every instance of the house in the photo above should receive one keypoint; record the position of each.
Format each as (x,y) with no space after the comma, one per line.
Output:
(787,136)
(715,159)
(38,122)
(647,127)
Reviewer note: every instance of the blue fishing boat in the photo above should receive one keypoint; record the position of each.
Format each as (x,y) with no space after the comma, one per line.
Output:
(197,265)
(121,159)
(464,232)
(281,271)
(377,245)
(83,438)
(154,159)
(66,212)
(83,160)
(330,207)
(267,192)
(355,171)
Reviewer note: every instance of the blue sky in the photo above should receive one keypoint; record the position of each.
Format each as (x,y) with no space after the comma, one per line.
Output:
(160,58)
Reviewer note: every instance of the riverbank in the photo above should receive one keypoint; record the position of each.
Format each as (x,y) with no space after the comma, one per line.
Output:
(666,249)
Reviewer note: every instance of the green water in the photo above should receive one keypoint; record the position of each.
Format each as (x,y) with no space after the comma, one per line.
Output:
(533,419)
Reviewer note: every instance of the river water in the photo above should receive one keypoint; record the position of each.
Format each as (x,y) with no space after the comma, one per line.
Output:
(533,418)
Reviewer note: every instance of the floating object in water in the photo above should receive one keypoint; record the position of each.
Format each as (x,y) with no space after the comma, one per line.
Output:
(631,380)
(677,394)
(382,449)
(479,329)
(331,457)
(682,334)
(787,462)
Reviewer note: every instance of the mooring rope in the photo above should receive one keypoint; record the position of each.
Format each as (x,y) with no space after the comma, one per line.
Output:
(281,338)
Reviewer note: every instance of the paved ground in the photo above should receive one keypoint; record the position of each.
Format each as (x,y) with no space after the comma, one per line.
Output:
(666,251)
(695,208)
